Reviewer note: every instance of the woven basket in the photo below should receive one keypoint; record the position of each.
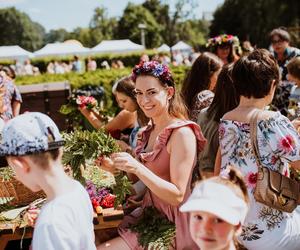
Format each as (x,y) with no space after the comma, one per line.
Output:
(21,195)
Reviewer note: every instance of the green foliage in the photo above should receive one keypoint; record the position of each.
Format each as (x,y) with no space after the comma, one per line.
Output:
(82,146)
(254,19)
(154,230)
(128,26)
(17,28)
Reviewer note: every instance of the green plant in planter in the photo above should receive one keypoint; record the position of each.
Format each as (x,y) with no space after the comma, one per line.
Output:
(83,147)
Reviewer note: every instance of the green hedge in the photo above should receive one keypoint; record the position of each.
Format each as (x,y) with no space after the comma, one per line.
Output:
(105,78)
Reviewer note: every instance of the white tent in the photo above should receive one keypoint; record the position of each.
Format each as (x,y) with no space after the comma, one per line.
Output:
(181,46)
(163,48)
(70,47)
(14,52)
(124,45)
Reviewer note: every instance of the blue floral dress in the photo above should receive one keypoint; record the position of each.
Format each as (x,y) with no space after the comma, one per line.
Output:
(279,144)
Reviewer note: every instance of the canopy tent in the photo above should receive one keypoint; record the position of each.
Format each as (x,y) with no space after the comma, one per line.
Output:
(124,45)
(70,47)
(181,46)
(163,48)
(14,52)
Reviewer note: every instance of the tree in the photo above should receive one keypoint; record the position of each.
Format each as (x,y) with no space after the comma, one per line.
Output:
(128,26)
(58,35)
(101,27)
(16,28)
(254,19)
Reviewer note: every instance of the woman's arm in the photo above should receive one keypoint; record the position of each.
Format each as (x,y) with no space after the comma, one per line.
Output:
(124,119)
(183,150)
(218,163)
(16,106)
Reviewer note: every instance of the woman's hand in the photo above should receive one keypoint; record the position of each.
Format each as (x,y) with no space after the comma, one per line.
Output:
(84,111)
(106,164)
(125,162)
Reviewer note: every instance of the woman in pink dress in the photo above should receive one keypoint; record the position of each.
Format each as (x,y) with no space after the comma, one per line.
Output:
(166,156)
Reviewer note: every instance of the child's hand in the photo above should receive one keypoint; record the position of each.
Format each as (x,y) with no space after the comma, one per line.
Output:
(31,215)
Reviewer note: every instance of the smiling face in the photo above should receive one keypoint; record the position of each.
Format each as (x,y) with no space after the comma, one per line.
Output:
(152,97)
(210,232)
(223,52)
(126,102)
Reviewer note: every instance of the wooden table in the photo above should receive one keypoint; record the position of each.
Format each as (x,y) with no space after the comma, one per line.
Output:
(7,234)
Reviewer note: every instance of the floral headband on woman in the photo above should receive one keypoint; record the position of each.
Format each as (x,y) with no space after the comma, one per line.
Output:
(155,69)
(222,39)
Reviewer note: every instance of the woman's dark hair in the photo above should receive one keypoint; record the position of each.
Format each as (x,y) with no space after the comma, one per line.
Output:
(225,98)
(253,75)
(198,78)
(126,86)
(281,33)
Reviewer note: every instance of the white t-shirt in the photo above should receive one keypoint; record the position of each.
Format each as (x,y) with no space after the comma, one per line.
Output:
(66,223)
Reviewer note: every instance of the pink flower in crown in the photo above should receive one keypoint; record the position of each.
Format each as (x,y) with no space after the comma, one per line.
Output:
(251,179)
(287,144)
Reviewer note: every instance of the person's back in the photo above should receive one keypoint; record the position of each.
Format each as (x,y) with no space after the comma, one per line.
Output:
(32,145)
(255,77)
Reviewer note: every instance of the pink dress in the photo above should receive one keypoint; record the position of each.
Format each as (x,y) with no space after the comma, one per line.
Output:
(158,161)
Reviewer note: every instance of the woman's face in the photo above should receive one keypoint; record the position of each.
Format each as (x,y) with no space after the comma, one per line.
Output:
(278,44)
(126,102)
(151,96)
(223,52)
(210,232)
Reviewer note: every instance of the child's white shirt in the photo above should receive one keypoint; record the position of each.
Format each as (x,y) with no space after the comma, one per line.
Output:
(66,223)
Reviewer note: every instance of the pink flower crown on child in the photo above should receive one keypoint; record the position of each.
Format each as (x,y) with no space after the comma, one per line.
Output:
(155,69)
(222,39)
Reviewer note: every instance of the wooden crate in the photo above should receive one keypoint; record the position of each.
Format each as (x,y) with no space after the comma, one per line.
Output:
(47,98)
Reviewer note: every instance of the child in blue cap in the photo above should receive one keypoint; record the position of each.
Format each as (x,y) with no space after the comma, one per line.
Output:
(32,145)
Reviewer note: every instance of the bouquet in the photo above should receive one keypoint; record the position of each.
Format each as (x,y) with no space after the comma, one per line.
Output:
(86,101)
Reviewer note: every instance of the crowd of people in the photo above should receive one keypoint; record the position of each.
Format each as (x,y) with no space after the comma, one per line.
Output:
(190,154)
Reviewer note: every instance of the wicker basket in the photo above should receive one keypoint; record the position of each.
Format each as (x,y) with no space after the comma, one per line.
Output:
(21,195)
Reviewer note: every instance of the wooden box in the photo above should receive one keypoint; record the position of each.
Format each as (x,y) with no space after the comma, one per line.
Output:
(46,98)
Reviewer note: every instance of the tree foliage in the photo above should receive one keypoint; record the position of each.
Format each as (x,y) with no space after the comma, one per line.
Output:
(128,25)
(16,28)
(255,19)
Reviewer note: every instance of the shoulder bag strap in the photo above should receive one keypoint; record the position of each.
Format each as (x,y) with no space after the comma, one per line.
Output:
(253,136)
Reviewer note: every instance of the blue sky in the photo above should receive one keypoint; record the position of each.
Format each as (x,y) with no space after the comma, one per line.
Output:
(69,14)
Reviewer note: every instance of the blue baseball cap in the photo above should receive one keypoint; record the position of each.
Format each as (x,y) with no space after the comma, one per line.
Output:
(29,133)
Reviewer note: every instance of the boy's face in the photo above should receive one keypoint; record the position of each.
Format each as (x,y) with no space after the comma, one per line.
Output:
(24,172)
(294,79)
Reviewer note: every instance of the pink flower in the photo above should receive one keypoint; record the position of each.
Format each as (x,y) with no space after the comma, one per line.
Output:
(251,179)
(86,101)
(287,143)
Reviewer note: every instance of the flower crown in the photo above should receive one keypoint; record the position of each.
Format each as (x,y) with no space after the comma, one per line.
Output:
(222,39)
(153,68)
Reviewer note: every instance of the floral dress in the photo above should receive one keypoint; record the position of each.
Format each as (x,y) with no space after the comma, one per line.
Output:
(279,144)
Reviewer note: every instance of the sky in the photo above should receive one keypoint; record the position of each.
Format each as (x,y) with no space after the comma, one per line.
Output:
(70,14)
